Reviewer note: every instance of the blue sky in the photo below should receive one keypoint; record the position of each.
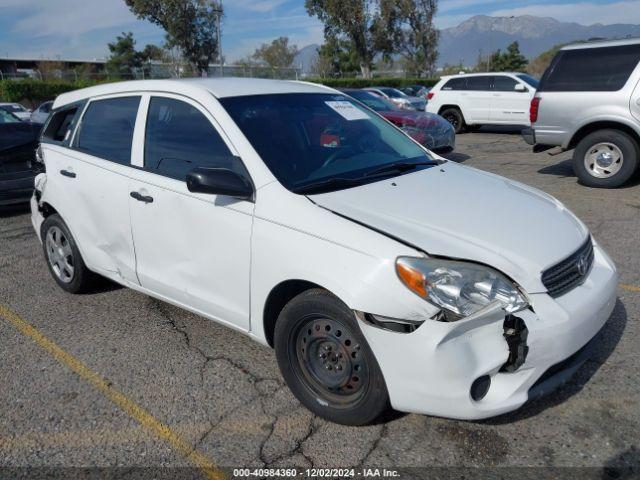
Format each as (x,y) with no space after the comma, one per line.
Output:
(82,28)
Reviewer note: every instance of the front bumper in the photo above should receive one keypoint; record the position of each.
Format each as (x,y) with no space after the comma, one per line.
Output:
(431,370)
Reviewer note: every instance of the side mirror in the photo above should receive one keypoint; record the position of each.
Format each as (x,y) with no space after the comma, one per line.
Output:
(219,181)
(520,88)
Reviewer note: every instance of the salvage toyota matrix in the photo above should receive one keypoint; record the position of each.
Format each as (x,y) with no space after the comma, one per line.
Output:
(382,274)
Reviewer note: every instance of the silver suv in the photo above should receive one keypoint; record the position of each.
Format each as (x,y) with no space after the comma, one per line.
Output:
(589,100)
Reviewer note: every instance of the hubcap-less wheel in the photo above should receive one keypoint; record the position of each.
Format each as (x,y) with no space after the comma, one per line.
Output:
(60,254)
(330,360)
(603,160)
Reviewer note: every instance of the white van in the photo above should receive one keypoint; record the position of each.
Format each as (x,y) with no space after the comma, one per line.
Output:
(296,215)
(471,100)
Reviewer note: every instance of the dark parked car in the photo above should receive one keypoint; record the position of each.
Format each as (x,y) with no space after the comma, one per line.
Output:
(18,165)
(429,129)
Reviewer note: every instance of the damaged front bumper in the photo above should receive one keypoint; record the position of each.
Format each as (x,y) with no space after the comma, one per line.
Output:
(492,363)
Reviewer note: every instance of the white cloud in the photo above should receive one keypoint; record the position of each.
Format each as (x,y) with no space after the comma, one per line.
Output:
(586,13)
(69,17)
(262,6)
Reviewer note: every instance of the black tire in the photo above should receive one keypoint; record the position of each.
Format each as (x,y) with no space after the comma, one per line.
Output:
(346,386)
(626,169)
(454,116)
(79,278)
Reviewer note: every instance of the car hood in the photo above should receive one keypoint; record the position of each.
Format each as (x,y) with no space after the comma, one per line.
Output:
(459,212)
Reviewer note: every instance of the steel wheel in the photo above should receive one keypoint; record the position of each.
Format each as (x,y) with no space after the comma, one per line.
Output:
(603,160)
(329,358)
(59,254)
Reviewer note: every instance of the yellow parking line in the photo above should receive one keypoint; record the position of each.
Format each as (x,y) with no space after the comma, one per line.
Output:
(139,414)
(631,288)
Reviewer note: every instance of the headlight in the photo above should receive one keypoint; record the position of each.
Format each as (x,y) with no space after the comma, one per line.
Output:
(461,288)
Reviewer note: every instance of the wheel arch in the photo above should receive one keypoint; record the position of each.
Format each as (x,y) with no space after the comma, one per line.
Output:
(589,128)
(278,297)
(450,105)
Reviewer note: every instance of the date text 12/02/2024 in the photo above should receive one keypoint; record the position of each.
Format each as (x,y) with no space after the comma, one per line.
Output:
(315,473)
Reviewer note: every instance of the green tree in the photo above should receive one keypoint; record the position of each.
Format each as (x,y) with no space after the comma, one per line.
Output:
(190,25)
(414,36)
(510,61)
(123,58)
(356,21)
(277,54)
(336,57)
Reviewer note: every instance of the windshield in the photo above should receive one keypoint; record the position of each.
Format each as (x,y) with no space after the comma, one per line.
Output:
(528,79)
(14,108)
(372,101)
(6,117)
(392,92)
(315,138)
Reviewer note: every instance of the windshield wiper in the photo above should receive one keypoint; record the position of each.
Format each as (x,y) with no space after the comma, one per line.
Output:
(336,182)
(401,167)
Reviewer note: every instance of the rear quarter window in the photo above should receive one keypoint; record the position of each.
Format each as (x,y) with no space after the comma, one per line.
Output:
(602,69)
(61,124)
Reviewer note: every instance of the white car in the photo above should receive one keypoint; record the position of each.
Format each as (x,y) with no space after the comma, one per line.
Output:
(40,114)
(472,100)
(294,214)
(17,109)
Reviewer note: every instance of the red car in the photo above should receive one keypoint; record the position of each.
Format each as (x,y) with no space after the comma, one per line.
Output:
(431,130)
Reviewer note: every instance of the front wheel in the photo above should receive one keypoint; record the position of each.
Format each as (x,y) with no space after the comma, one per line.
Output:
(326,361)
(455,118)
(606,159)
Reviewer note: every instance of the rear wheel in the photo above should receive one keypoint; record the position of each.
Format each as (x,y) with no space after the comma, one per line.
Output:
(606,159)
(454,117)
(63,257)
(326,361)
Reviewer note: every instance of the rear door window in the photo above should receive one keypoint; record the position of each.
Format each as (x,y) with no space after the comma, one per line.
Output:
(602,69)
(180,138)
(481,83)
(106,130)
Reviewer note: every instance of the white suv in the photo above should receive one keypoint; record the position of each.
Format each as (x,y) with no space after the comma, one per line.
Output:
(472,100)
(300,217)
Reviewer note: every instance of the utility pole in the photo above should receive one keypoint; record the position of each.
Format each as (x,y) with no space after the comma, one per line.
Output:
(218,18)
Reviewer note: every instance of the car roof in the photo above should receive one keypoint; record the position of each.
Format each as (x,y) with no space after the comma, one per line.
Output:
(479,74)
(218,87)
(602,43)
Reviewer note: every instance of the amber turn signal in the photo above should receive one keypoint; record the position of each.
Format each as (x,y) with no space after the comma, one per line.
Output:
(412,278)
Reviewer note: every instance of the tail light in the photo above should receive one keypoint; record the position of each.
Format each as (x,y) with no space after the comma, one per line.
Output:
(533,109)
(430,95)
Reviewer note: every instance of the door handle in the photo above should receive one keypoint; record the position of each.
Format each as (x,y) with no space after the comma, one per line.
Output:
(141,198)
(67,173)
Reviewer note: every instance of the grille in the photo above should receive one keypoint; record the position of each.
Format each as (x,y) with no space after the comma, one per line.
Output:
(570,272)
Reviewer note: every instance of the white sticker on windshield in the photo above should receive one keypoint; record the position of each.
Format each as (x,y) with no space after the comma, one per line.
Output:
(347,110)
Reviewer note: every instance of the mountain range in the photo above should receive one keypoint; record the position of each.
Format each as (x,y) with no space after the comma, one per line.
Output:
(481,33)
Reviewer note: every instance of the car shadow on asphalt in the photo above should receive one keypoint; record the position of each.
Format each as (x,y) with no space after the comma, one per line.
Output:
(503,129)
(623,466)
(9,211)
(610,337)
